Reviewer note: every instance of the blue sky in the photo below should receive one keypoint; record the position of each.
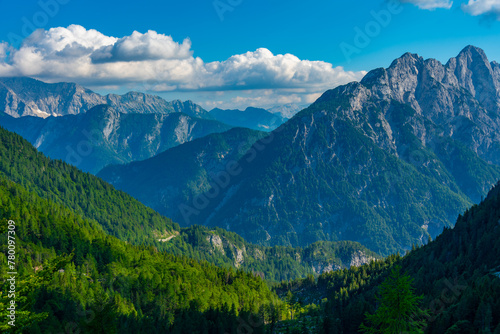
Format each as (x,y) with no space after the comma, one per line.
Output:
(233,53)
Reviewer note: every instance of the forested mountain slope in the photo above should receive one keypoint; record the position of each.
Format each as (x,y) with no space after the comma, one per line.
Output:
(122,216)
(109,286)
(458,275)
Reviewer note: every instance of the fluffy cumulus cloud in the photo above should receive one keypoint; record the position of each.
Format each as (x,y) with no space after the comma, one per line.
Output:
(262,69)
(142,47)
(431,4)
(156,62)
(483,7)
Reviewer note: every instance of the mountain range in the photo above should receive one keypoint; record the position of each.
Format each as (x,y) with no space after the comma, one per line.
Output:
(24,96)
(389,161)
(69,122)
(70,267)
(252,118)
(103,135)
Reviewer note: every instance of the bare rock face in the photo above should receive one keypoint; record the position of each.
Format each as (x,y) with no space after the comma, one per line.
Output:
(216,242)
(29,97)
(322,267)
(359,258)
(461,97)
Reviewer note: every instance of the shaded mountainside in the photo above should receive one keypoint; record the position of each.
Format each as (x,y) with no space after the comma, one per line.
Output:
(103,135)
(121,216)
(385,162)
(175,177)
(252,118)
(457,274)
(22,96)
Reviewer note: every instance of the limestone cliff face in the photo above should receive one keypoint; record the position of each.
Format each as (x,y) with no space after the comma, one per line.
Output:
(461,97)
(242,254)
(353,259)
(29,97)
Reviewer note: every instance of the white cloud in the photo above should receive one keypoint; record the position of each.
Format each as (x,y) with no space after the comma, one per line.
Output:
(431,4)
(141,47)
(155,62)
(483,7)
(262,98)
(261,69)
(3,50)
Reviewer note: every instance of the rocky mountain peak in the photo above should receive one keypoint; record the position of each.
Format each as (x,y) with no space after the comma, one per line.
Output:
(435,89)
(472,71)
(472,52)
(408,60)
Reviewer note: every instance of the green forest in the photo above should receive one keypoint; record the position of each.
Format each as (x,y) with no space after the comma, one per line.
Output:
(456,276)
(72,273)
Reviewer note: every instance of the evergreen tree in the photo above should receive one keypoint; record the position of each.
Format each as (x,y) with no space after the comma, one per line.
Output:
(398,311)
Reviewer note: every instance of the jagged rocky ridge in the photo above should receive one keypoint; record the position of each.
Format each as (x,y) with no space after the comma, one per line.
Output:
(22,96)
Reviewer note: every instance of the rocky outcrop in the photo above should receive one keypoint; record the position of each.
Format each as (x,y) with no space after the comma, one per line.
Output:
(358,259)
(461,97)
(322,267)
(319,257)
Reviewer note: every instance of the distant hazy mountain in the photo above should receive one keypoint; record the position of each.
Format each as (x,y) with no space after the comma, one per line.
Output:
(386,162)
(288,110)
(103,135)
(29,97)
(252,118)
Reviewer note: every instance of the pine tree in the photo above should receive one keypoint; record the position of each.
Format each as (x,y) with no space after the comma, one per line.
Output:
(398,310)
